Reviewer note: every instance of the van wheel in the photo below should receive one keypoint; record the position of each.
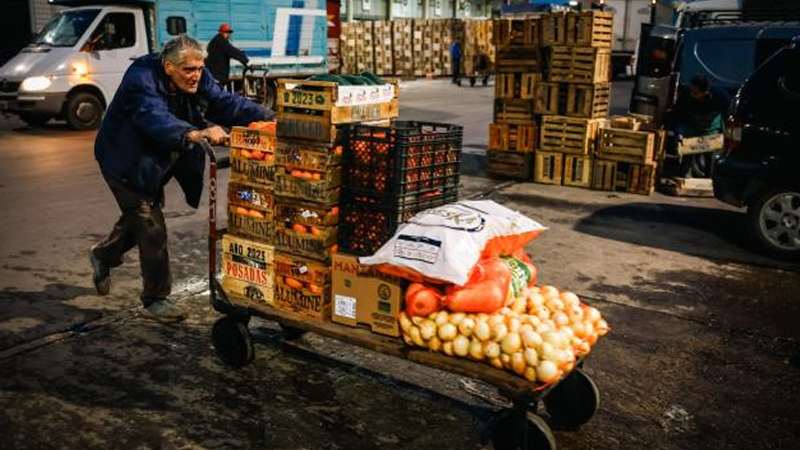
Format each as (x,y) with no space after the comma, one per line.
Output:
(35,120)
(84,111)
(774,217)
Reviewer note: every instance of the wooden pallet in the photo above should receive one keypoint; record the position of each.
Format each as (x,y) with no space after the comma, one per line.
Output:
(516,85)
(579,64)
(518,60)
(688,187)
(554,29)
(514,112)
(636,147)
(402,53)
(365,48)
(624,177)
(631,123)
(548,168)
(569,134)
(384,58)
(549,98)
(578,170)
(520,138)
(501,164)
(590,29)
(516,32)
(588,100)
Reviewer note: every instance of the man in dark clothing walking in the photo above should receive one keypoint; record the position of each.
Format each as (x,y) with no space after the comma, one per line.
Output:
(220,53)
(149,135)
(455,60)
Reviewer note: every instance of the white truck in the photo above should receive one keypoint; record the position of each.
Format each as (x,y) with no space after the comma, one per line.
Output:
(75,64)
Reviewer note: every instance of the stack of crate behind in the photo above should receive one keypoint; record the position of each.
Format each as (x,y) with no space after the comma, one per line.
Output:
(512,135)
(365,48)
(348,44)
(402,47)
(477,42)
(311,120)
(574,101)
(627,157)
(247,251)
(390,173)
(382,38)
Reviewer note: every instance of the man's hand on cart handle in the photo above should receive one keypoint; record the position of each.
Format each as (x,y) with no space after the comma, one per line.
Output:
(215,135)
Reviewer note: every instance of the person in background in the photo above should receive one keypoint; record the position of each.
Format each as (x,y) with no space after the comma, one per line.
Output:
(220,52)
(455,60)
(148,136)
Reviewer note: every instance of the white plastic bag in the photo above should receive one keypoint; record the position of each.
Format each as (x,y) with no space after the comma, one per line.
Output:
(445,243)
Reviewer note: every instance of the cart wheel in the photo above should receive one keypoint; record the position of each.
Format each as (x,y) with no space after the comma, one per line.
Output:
(291,333)
(508,436)
(233,342)
(573,401)
(472,81)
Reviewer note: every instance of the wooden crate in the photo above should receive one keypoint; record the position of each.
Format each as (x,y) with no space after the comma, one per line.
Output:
(520,138)
(554,29)
(569,134)
(504,164)
(626,123)
(516,112)
(549,98)
(247,268)
(624,177)
(308,156)
(516,85)
(302,269)
(323,190)
(402,52)
(317,244)
(263,293)
(518,60)
(590,29)
(641,178)
(477,41)
(257,253)
(252,139)
(579,64)
(516,32)
(260,227)
(384,56)
(604,175)
(578,170)
(548,168)
(246,167)
(250,195)
(309,214)
(365,56)
(588,100)
(303,302)
(626,146)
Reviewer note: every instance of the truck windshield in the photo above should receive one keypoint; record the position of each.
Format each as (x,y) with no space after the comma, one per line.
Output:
(66,28)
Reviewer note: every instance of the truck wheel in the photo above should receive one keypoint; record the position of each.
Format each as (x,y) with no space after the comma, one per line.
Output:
(84,111)
(35,120)
(774,219)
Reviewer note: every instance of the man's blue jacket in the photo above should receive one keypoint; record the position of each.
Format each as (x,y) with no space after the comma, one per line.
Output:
(141,142)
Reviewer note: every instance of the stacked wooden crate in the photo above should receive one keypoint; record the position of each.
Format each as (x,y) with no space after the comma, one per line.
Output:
(247,251)
(627,157)
(402,47)
(365,49)
(384,57)
(574,101)
(513,134)
(348,43)
(477,41)
(311,120)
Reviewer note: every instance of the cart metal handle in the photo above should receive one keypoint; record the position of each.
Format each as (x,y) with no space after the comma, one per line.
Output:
(213,163)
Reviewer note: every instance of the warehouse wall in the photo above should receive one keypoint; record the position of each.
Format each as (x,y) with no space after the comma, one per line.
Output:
(41,13)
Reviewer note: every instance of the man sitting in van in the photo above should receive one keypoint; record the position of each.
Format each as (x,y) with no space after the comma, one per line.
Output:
(700,109)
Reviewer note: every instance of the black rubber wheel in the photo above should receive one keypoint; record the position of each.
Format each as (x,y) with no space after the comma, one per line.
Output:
(35,120)
(291,333)
(472,81)
(573,401)
(774,220)
(84,111)
(508,436)
(233,342)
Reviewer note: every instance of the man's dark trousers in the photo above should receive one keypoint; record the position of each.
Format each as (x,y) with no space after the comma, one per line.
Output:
(456,62)
(142,223)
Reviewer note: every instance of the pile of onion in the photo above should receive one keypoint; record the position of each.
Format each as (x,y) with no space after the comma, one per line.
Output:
(539,335)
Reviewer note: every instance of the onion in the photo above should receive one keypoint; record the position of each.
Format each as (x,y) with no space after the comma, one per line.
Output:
(482,331)
(499,332)
(592,314)
(549,291)
(601,327)
(496,319)
(506,359)
(482,317)
(548,352)
(535,300)
(448,332)
(427,329)
(447,348)
(592,339)
(435,344)
(519,306)
(492,349)
(530,373)
(531,357)
(513,324)
(569,298)
(532,339)
(579,329)
(555,304)
(506,311)
(466,326)
(547,372)
(542,328)
(476,349)
(518,363)
(416,320)
(542,313)
(511,343)
(566,333)
(441,318)
(575,313)
(554,338)
(582,349)
(496,363)
(561,319)
(407,339)
(405,323)
(461,345)
(416,337)
(456,318)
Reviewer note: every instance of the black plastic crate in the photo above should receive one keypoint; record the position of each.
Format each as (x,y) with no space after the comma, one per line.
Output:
(366,222)
(402,162)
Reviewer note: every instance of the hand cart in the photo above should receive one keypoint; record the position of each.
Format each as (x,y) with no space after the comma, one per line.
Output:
(569,403)
(254,84)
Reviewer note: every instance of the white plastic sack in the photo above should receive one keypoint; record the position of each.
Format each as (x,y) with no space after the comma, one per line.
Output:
(445,243)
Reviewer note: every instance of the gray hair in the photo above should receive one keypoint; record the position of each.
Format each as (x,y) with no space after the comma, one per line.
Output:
(177,49)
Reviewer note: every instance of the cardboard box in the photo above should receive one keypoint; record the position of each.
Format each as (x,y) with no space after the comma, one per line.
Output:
(364,297)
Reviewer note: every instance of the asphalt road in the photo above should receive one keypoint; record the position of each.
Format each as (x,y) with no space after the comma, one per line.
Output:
(703,351)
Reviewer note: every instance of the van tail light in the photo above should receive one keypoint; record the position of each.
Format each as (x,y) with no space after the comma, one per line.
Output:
(733,134)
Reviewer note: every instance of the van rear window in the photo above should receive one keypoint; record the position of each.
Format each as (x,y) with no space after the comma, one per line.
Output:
(724,60)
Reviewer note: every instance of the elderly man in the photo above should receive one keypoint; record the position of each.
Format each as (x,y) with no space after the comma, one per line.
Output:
(148,136)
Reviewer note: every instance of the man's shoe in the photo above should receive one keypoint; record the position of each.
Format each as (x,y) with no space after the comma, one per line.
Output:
(164,311)
(102,274)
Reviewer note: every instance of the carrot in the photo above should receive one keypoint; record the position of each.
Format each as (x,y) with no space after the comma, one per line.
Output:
(242,211)
(316,231)
(256,214)
(296,173)
(245,154)
(314,289)
(299,228)
(291,282)
(316,176)
(257,154)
